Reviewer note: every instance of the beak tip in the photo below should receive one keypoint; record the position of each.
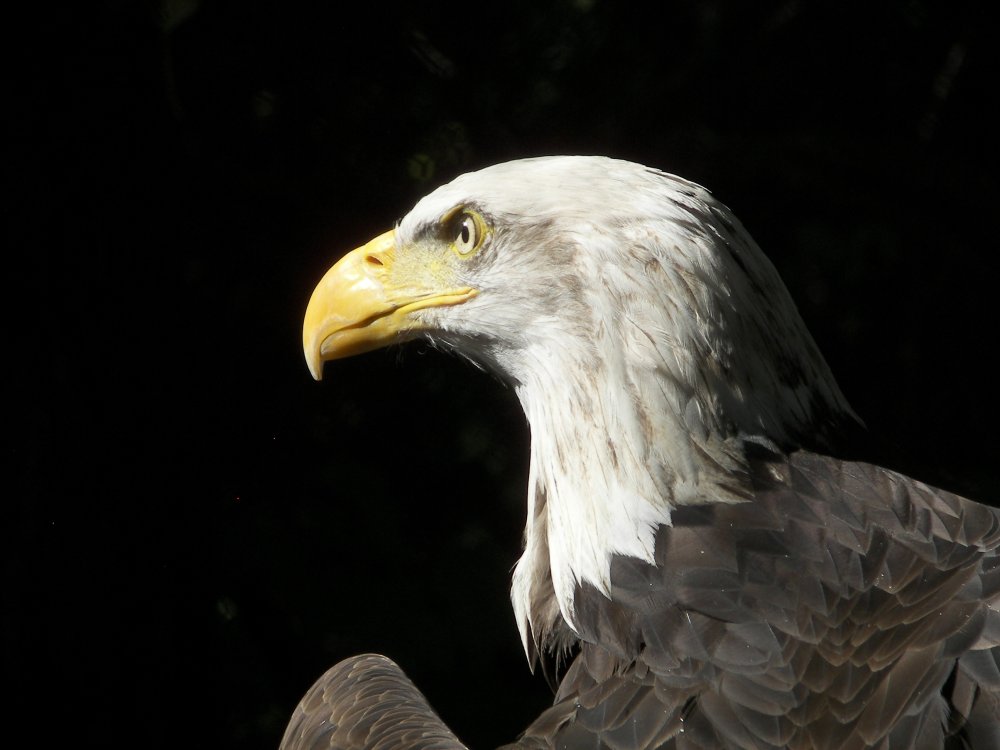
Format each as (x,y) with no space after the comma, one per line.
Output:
(316,369)
(314,361)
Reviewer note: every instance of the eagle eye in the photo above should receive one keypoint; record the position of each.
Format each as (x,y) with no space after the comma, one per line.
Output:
(468,233)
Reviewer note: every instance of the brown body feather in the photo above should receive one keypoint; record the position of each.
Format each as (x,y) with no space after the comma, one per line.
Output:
(846,607)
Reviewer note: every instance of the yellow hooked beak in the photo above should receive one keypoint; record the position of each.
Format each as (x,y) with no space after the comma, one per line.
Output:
(364,302)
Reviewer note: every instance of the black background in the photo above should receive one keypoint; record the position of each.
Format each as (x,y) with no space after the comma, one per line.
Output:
(194,530)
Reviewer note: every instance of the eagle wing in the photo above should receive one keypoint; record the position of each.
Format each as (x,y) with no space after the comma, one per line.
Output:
(366,703)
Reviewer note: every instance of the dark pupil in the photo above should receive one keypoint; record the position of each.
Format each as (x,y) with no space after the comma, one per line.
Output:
(465,232)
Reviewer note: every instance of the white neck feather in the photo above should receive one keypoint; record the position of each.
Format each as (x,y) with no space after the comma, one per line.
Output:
(610,458)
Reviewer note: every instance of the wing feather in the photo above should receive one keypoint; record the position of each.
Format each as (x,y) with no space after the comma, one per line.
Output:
(366,703)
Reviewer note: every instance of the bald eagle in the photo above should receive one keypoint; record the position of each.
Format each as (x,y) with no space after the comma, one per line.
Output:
(723,580)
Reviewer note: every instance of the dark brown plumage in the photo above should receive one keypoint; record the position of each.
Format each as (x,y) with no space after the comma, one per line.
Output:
(366,702)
